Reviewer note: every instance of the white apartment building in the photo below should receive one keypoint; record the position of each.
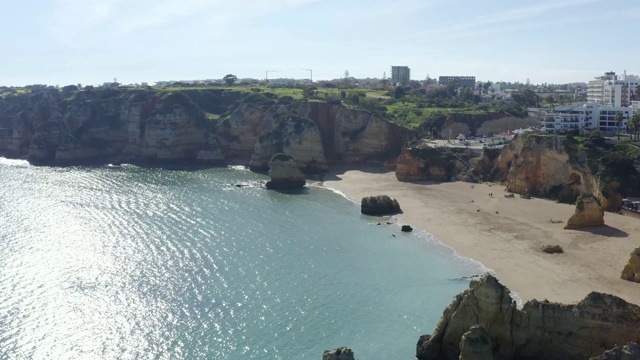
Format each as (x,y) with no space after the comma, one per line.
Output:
(589,116)
(613,90)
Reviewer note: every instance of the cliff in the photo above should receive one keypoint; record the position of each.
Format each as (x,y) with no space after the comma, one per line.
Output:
(541,330)
(318,134)
(561,168)
(190,126)
(424,163)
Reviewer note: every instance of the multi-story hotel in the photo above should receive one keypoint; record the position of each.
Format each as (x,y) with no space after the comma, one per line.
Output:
(613,90)
(589,116)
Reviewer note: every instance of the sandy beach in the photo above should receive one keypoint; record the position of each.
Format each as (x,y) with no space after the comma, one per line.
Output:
(506,234)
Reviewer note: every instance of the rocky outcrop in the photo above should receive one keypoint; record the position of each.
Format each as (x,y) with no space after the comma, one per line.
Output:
(406,228)
(631,351)
(541,330)
(285,173)
(379,205)
(342,353)
(422,163)
(631,271)
(550,167)
(552,249)
(476,344)
(588,213)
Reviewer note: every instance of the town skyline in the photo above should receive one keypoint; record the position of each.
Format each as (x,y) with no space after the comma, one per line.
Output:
(92,41)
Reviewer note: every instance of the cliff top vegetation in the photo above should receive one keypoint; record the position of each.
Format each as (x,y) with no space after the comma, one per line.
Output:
(407,107)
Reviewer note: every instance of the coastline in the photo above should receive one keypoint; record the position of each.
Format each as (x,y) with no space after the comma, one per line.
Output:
(505,235)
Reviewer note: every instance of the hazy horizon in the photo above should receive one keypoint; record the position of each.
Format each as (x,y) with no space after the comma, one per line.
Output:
(61,42)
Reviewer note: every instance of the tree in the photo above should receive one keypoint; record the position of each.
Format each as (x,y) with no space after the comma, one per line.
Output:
(634,123)
(399,92)
(619,119)
(487,85)
(230,79)
(549,99)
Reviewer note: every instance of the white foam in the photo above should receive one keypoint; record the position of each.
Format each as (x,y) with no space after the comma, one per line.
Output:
(335,191)
(14,162)
(238,167)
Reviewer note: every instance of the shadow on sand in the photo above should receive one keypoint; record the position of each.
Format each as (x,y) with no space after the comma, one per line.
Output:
(605,230)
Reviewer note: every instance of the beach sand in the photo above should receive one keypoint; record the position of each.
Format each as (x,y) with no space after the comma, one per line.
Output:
(506,234)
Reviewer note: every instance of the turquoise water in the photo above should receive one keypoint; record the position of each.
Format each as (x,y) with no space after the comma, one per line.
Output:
(128,263)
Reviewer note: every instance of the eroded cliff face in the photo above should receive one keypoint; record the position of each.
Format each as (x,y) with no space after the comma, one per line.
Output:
(318,134)
(149,127)
(541,330)
(546,166)
(425,163)
(287,129)
(154,129)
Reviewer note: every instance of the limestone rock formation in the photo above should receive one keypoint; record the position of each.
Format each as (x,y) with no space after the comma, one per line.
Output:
(551,167)
(355,136)
(476,344)
(631,351)
(243,127)
(631,271)
(541,330)
(285,173)
(552,249)
(379,205)
(108,127)
(211,153)
(588,213)
(287,129)
(342,353)
(424,163)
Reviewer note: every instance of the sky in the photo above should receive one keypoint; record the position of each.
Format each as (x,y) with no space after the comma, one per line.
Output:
(61,42)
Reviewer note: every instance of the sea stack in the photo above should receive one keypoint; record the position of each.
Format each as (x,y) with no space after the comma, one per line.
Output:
(285,173)
(588,213)
(379,205)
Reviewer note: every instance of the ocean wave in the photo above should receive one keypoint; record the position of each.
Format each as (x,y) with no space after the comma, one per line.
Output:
(14,162)
(238,167)
(335,191)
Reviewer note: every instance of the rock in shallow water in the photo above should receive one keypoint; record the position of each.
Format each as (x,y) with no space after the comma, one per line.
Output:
(406,228)
(342,353)
(379,205)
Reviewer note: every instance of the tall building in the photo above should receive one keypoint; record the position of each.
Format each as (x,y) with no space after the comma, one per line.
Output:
(589,116)
(614,90)
(400,75)
(460,81)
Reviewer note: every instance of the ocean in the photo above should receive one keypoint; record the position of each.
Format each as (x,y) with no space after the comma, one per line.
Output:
(136,263)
